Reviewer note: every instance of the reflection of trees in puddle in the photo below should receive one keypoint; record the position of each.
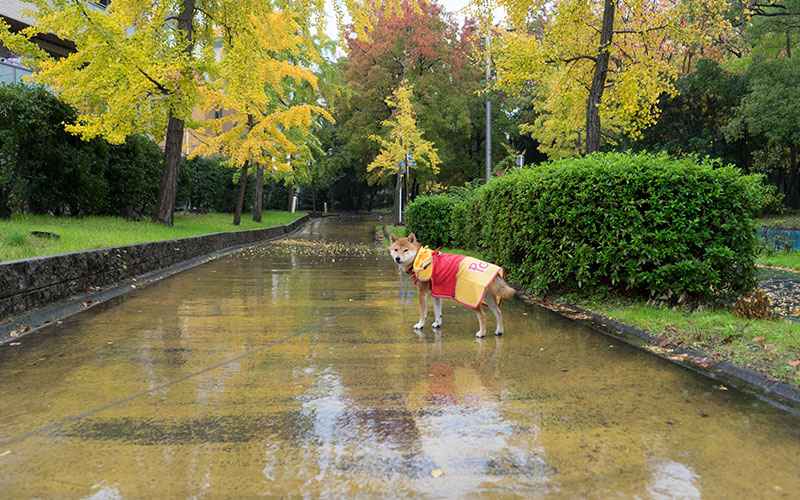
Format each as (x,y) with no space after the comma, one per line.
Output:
(391,424)
(464,427)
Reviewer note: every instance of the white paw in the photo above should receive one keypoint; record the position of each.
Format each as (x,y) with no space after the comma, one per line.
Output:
(498,332)
(480,335)
(419,326)
(437,323)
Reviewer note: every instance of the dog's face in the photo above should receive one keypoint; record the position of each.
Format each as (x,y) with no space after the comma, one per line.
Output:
(403,250)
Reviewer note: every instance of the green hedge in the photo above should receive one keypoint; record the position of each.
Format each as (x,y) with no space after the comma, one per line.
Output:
(428,217)
(643,224)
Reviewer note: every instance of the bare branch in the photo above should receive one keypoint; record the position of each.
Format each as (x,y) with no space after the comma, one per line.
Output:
(572,59)
(640,32)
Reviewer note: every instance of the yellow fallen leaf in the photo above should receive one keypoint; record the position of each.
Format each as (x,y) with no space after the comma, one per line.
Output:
(437,472)
(723,388)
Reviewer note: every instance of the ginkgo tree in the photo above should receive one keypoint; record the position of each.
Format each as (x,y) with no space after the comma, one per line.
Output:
(597,67)
(144,65)
(262,71)
(405,144)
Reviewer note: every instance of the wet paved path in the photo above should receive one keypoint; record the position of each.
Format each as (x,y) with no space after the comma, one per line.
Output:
(292,369)
(782,287)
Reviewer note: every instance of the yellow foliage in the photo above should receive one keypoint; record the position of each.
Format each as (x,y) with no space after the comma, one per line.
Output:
(404,137)
(549,52)
(132,69)
(258,82)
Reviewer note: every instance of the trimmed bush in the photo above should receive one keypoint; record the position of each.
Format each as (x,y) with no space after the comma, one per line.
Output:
(441,219)
(428,217)
(643,224)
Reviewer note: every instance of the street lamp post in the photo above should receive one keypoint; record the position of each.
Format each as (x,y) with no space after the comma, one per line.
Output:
(488,115)
(330,188)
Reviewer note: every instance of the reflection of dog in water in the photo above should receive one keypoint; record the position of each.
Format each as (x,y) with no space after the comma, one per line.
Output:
(466,280)
(455,383)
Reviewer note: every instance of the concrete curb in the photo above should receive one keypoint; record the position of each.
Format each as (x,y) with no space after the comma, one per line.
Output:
(778,394)
(33,319)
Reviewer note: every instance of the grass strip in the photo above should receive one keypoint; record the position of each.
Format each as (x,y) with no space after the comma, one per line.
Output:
(86,233)
(785,260)
(770,347)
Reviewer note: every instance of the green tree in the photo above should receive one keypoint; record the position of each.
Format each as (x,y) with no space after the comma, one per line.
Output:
(132,176)
(41,165)
(694,120)
(770,39)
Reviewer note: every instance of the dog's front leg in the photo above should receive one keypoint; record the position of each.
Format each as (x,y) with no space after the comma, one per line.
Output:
(422,293)
(437,312)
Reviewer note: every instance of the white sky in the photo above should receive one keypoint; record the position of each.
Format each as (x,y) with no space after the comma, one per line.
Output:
(453,6)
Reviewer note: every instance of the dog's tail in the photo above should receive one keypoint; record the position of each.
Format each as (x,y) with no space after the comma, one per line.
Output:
(503,290)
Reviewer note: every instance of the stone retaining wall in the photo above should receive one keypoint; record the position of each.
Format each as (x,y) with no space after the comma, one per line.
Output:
(26,284)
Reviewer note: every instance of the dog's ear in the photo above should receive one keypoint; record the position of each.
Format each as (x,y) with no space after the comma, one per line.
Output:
(412,238)
(392,237)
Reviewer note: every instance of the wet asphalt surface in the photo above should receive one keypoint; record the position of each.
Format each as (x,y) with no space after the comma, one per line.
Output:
(292,369)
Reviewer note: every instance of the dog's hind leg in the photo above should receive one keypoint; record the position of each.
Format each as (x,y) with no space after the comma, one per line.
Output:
(481,322)
(437,312)
(498,315)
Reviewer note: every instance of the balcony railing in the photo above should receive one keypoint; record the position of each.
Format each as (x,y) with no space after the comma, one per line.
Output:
(11,72)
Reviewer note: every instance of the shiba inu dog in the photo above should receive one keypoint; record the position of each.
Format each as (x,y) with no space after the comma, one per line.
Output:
(469,281)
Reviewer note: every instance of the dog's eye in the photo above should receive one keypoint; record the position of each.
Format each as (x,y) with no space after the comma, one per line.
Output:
(405,251)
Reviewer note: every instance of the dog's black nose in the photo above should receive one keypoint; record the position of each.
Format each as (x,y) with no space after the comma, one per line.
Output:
(397,259)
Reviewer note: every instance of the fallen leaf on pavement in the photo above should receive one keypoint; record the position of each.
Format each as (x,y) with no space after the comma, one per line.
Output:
(437,472)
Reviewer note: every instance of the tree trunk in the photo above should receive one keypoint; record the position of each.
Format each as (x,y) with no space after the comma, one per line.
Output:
(599,79)
(168,189)
(788,44)
(258,202)
(330,208)
(290,195)
(237,216)
(5,210)
(313,195)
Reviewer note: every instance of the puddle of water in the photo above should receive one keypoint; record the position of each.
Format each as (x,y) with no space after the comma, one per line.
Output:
(360,404)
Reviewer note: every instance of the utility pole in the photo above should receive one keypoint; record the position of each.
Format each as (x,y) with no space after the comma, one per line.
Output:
(488,114)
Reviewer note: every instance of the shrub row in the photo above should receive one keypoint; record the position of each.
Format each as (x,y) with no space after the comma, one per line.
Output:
(643,224)
(46,170)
